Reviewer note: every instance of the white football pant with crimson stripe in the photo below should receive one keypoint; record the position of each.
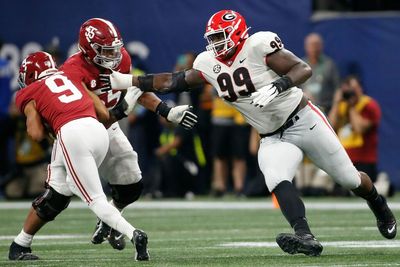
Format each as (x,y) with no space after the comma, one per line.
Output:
(79,150)
(311,134)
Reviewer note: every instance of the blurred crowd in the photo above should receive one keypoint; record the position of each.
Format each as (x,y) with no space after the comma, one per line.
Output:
(218,157)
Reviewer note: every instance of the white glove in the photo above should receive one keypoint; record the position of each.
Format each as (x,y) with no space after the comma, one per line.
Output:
(132,95)
(264,96)
(183,116)
(116,80)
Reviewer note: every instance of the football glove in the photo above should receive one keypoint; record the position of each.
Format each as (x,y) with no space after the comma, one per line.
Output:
(264,96)
(183,116)
(127,104)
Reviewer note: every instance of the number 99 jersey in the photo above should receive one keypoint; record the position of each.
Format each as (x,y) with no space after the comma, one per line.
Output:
(245,73)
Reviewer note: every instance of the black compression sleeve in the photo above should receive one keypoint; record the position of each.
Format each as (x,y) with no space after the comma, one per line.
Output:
(146,83)
(179,83)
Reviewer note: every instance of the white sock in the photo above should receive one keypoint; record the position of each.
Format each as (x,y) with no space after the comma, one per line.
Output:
(24,239)
(112,203)
(111,216)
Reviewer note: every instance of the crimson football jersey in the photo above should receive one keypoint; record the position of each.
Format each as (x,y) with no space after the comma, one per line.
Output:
(59,98)
(90,71)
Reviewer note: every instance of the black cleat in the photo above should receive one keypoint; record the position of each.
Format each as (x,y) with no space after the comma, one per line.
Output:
(385,220)
(299,243)
(116,240)
(20,253)
(140,241)
(101,232)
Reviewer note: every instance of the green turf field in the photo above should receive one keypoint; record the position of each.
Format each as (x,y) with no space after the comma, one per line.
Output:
(207,233)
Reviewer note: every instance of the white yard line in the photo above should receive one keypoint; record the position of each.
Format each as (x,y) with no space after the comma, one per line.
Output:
(341,244)
(213,205)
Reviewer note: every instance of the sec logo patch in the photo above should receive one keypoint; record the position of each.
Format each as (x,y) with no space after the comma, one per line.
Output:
(217,68)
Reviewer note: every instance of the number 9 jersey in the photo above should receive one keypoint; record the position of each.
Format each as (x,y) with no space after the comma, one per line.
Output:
(59,98)
(246,72)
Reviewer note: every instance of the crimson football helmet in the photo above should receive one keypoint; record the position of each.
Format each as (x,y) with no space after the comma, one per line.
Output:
(225,30)
(35,66)
(101,42)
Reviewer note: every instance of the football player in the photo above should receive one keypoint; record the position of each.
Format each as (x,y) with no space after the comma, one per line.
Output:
(101,50)
(259,77)
(61,100)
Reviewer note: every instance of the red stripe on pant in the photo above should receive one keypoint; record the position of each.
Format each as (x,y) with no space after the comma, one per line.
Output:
(316,110)
(72,171)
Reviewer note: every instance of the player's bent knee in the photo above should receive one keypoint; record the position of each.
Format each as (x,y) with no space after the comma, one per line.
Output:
(126,194)
(49,204)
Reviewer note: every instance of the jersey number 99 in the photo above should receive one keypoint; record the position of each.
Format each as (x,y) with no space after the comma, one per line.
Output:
(241,77)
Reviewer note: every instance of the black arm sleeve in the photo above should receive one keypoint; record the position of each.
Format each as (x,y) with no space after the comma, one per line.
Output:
(178,83)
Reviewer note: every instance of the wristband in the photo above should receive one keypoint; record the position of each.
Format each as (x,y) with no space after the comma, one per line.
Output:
(163,109)
(283,83)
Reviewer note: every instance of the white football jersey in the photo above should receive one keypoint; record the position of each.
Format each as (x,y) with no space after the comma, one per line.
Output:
(247,73)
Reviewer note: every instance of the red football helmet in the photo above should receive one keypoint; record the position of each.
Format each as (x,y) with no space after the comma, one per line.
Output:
(101,42)
(225,30)
(35,66)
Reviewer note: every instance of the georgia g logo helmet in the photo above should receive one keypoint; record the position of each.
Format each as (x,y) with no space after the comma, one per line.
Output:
(225,30)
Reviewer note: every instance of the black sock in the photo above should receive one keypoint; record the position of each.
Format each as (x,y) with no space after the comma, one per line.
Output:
(373,198)
(292,206)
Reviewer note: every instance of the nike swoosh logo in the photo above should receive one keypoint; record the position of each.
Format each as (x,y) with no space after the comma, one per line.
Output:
(119,237)
(392,229)
(313,126)
(242,60)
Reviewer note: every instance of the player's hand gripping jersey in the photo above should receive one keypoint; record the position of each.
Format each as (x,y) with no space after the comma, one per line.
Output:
(246,73)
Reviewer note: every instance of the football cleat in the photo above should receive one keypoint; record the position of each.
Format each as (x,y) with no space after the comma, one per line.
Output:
(101,232)
(140,241)
(20,253)
(385,220)
(116,240)
(299,243)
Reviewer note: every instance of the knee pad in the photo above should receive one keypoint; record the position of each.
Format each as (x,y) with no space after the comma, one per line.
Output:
(124,195)
(49,204)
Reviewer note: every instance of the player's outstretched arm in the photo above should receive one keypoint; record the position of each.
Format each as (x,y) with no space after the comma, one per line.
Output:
(181,115)
(34,124)
(160,83)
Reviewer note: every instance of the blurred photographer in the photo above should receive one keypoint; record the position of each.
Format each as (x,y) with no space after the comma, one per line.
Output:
(355,118)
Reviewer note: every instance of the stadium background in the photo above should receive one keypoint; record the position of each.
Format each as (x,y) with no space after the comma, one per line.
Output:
(160,30)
